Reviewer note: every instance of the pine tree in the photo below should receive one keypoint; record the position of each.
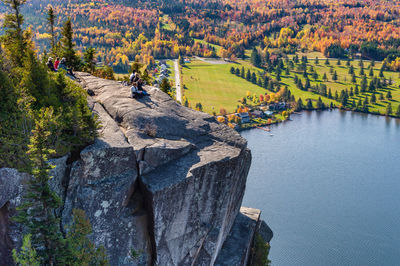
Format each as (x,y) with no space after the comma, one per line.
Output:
(232,70)
(365,108)
(373,98)
(320,104)
(68,45)
(364,84)
(371,72)
(362,72)
(299,105)
(351,70)
(398,111)
(248,75)
(309,104)
(334,76)
(88,56)
(16,41)
(255,58)
(325,77)
(339,63)
(254,78)
(330,93)
(37,212)
(27,255)
(381,97)
(51,20)
(165,86)
(81,251)
(389,109)
(242,73)
(356,91)
(327,62)
(316,60)
(388,95)
(348,63)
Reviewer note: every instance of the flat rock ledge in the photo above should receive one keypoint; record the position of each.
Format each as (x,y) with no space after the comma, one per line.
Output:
(162,180)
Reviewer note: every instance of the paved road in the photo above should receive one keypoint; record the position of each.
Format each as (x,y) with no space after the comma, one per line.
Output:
(178,82)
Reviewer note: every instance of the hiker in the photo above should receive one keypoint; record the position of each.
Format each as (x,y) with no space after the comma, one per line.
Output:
(50,64)
(63,65)
(137,90)
(134,77)
(56,63)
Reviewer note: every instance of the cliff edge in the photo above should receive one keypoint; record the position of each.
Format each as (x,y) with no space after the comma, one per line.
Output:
(162,184)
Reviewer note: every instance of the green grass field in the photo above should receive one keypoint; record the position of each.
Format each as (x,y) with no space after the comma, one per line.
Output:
(215,87)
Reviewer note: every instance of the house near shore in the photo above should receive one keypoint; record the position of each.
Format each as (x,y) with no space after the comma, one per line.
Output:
(245,117)
(278,106)
(257,114)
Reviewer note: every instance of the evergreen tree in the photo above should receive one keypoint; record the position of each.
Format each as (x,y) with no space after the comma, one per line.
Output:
(242,73)
(80,249)
(88,56)
(255,58)
(351,92)
(381,73)
(353,78)
(365,108)
(398,111)
(16,41)
(181,60)
(287,72)
(330,93)
(232,70)
(27,255)
(362,72)
(364,84)
(309,104)
(388,95)
(336,96)
(299,105)
(265,83)
(389,109)
(325,77)
(381,97)
(373,98)
(68,45)
(320,104)
(237,72)
(334,76)
(351,70)
(307,85)
(254,78)
(356,92)
(348,63)
(165,86)
(327,62)
(248,75)
(361,63)
(37,212)
(51,20)
(339,63)
(371,72)
(316,60)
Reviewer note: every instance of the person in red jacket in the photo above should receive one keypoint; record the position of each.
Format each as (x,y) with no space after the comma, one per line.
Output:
(56,63)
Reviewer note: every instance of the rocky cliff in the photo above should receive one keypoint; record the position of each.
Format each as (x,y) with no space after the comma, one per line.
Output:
(162,180)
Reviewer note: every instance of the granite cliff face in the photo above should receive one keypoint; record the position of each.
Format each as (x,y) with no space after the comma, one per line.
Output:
(161,179)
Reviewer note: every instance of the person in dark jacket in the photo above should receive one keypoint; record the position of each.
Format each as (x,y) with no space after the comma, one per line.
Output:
(50,64)
(63,65)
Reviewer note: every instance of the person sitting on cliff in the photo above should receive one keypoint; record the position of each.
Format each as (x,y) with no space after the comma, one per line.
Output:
(63,65)
(134,77)
(50,64)
(137,90)
(56,63)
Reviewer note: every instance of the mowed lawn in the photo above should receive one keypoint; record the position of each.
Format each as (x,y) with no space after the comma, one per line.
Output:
(215,87)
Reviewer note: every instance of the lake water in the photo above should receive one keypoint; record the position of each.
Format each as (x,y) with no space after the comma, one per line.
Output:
(328,185)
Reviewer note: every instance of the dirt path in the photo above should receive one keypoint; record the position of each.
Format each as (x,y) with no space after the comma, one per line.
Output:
(178,81)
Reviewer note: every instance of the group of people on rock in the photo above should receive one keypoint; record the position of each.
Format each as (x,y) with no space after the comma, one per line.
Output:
(137,83)
(60,64)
